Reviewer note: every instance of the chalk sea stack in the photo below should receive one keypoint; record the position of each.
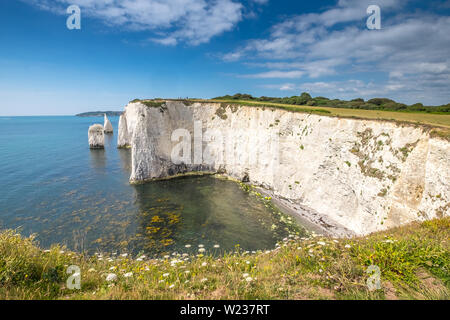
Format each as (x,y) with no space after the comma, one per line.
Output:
(108,126)
(122,140)
(96,137)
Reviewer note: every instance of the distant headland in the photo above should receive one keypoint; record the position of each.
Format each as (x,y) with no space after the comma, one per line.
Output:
(100,114)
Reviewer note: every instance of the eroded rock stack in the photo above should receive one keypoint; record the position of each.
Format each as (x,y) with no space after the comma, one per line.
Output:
(108,126)
(96,137)
(122,140)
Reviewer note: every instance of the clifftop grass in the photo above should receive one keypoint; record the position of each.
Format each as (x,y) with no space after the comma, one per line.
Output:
(414,261)
(438,124)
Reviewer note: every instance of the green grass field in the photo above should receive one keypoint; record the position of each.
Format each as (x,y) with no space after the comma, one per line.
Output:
(442,120)
(438,124)
(414,263)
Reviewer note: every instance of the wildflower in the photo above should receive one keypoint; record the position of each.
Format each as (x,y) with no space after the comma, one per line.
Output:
(166,256)
(171,286)
(46,251)
(216,246)
(200,246)
(187,281)
(204,264)
(61,252)
(166,275)
(389,241)
(128,274)
(320,270)
(299,248)
(247,262)
(124,255)
(348,246)
(249,279)
(111,277)
(142,257)
(201,250)
(112,268)
(335,241)
(139,259)
(188,246)
(321,243)
(204,280)
(187,272)
(245,275)
(311,251)
(110,260)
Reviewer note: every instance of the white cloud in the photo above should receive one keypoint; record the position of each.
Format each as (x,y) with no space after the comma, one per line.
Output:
(275,75)
(411,49)
(192,21)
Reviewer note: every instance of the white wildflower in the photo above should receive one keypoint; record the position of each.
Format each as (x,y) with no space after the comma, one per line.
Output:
(111,277)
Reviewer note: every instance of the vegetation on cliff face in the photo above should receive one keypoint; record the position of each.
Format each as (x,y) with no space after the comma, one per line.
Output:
(414,261)
(372,104)
(437,123)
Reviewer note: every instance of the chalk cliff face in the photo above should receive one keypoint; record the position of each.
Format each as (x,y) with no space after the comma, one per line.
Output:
(348,176)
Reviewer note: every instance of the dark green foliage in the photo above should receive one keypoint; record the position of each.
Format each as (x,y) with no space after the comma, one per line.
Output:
(372,104)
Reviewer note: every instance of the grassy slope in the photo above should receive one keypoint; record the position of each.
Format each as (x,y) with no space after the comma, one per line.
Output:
(414,262)
(440,123)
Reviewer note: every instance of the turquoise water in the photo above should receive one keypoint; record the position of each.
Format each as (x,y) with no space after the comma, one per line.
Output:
(54,186)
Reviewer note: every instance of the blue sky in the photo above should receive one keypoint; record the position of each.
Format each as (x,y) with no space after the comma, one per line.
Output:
(205,48)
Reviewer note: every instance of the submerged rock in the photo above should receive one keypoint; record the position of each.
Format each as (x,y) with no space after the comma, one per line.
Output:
(122,140)
(96,137)
(108,126)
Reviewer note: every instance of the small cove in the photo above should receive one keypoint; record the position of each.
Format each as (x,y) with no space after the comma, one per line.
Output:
(55,187)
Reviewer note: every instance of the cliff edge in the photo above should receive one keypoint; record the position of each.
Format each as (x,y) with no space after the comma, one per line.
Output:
(347,176)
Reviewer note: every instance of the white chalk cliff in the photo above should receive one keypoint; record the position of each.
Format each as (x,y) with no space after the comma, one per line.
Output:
(96,137)
(108,126)
(347,176)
